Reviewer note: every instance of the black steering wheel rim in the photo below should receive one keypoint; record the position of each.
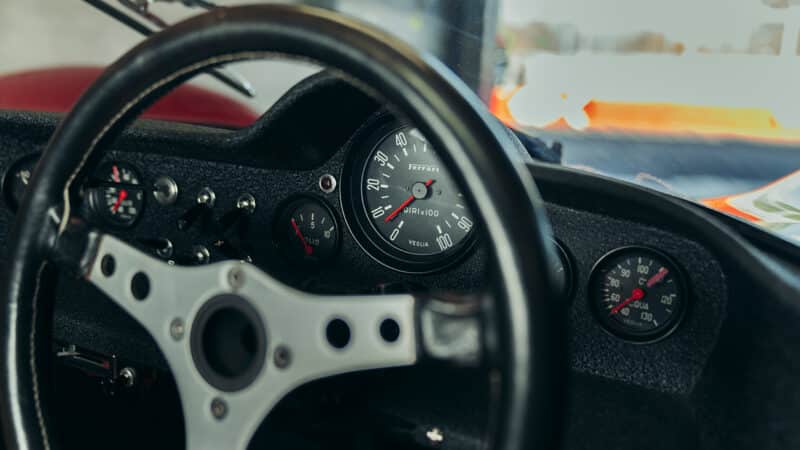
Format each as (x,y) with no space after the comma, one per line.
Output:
(446,111)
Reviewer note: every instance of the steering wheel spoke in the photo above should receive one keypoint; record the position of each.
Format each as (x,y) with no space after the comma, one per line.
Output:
(237,340)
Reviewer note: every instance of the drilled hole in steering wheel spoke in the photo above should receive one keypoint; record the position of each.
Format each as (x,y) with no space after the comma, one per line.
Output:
(338,333)
(108,265)
(140,286)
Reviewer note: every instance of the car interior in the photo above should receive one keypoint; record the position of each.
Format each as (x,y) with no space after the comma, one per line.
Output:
(375,262)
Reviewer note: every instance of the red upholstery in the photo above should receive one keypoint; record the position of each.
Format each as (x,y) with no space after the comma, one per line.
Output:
(57,89)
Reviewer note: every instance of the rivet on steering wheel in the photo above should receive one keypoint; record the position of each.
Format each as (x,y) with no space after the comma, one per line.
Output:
(236,278)
(177,329)
(219,409)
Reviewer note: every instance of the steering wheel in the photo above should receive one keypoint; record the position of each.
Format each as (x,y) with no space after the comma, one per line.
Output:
(293,335)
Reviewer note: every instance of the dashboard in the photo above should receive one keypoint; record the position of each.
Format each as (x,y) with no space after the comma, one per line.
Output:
(360,203)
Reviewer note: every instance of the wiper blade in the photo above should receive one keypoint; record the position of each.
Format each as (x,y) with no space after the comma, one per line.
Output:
(225,76)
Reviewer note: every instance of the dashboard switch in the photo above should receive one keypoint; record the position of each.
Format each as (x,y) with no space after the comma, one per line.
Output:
(245,206)
(199,255)
(232,251)
(161,247)
(205,201)
(165,190)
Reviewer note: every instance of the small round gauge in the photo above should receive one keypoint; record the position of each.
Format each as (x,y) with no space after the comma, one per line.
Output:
(307,231)
(409,212)
(119,198)
(638,294)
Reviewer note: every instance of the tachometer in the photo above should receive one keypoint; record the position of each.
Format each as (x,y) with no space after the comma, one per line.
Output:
(638,294)
(407,207)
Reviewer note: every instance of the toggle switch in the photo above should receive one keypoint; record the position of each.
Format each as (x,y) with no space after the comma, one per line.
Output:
(205,202)
(245,206)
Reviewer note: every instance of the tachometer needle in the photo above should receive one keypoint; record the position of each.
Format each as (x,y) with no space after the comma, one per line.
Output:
(655,279)
(404,205)
(637,294)
(306,247)
(123,194)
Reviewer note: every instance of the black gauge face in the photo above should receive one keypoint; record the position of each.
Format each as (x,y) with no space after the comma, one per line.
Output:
(119,198)
(408,205)
(308,232)
(638,294)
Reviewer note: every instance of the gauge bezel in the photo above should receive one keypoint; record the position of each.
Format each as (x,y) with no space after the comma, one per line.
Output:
(356,215)
(96,204)
(284,210)
(614,328)
(569,270)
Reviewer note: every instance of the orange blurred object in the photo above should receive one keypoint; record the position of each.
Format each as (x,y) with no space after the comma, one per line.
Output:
(668,118)
(659,118)
(721,204)
(498,105)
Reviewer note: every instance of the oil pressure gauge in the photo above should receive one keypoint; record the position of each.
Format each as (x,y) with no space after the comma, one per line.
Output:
(638,294)
(307,231)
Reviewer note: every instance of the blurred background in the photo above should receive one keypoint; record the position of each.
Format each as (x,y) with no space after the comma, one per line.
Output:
(692,97)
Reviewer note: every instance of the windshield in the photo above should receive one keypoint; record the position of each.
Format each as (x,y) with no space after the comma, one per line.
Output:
(693,98)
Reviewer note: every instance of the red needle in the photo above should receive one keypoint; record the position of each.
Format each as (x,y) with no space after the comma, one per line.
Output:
(637,294)
(655,279)
(123,194)
(115,174)
(307,248)
(403,205)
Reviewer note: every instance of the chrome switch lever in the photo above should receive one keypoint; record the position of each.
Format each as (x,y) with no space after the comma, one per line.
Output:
(205,202)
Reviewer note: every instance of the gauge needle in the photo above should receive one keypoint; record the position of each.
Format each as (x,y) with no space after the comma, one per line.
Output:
(404,205)
(658,277)
(306,247)
(115,174)
(123,194)
(637,294)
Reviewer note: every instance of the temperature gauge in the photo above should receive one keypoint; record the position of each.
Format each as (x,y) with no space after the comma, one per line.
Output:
(119,198)
(307,231)
(638,294)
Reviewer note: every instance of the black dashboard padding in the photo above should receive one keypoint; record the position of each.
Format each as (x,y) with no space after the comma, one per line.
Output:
(673,364)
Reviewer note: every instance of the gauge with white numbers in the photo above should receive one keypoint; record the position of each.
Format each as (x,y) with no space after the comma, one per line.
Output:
(407,208)
(119,197)
(638,293)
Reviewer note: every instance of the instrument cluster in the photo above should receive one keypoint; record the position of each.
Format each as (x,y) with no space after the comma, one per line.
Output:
(387,195)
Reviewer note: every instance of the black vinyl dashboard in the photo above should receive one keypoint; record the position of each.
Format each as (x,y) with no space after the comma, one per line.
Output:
(295,163)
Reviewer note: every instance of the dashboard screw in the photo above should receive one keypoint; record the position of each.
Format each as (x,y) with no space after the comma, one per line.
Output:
(327,183)
(176,329)
(282,357)
(219,409)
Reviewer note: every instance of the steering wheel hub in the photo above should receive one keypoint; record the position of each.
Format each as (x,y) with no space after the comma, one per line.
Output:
(228,342)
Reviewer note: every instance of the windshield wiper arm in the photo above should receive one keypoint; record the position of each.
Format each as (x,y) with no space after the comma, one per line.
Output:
(225,76)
